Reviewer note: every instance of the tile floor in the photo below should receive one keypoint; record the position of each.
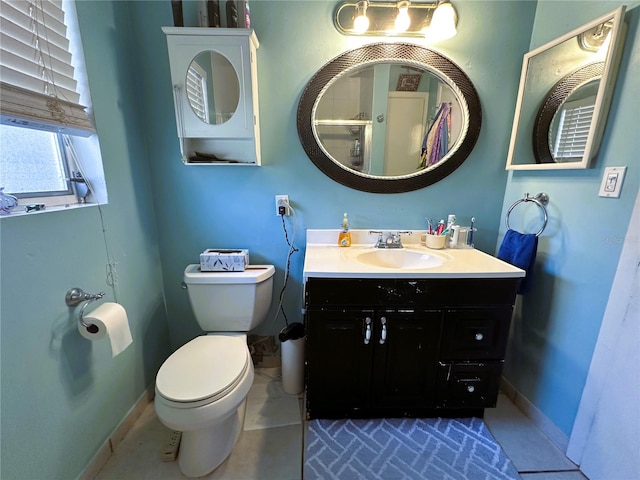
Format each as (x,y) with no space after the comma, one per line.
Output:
(270,447)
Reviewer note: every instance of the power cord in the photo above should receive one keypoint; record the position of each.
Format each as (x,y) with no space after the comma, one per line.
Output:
(292,250)
(111,266)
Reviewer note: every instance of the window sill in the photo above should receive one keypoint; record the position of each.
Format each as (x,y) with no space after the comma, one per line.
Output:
(21,211)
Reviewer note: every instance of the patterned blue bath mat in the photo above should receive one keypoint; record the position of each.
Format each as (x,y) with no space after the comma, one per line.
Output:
(404,449)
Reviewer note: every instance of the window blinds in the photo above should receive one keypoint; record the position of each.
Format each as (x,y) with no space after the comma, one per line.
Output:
(37,88)
(573,132)
(197,92)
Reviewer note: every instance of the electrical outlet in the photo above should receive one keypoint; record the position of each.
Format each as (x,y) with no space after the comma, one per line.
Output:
(282,201)
(171,449)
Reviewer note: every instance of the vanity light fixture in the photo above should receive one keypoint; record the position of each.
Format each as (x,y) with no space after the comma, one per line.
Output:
(434,20)
(596,39)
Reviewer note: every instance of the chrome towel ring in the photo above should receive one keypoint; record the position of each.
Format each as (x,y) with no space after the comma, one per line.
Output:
(541,200)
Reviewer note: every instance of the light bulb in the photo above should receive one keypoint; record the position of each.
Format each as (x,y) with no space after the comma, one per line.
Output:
(443,22)
(402,21)
(361,21)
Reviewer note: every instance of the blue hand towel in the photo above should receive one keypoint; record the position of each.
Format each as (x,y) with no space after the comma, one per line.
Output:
(519,249)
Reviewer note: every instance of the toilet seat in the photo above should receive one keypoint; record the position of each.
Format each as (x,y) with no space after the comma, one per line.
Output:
(204,370)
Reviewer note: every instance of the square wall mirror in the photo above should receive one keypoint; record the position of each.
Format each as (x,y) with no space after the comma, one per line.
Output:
(564,96)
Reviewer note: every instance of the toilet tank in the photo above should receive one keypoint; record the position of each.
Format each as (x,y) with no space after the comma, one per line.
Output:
(230,301)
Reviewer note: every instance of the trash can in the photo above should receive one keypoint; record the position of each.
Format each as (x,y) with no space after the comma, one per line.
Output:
(292,351)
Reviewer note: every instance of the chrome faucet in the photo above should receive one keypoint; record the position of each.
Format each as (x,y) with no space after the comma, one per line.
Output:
(392,240)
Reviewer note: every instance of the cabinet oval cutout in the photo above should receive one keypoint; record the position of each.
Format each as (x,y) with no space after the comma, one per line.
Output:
(212,87)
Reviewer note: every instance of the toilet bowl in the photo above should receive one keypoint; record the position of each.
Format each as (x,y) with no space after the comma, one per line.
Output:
(201,388)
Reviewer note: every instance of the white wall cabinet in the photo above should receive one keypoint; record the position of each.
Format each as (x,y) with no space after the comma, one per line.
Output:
(215,88)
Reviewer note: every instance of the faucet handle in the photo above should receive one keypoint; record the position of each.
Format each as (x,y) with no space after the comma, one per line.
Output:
(379,233)
(394,240)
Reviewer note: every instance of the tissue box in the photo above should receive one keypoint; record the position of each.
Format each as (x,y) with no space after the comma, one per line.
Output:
(224,260)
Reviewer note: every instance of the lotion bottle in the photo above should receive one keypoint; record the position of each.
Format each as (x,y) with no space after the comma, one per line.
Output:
(344,237)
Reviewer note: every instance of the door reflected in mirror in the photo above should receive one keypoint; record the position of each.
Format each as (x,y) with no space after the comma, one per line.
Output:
(212,87)
(388,119)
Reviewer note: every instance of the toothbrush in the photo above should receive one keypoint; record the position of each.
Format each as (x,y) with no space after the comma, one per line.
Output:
(430,225)
(470,237)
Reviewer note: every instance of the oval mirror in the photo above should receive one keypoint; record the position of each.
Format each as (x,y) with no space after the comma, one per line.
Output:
(389,117)
(562,126)
(212,87)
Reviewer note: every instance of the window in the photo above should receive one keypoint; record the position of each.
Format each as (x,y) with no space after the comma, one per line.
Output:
(197,91)
(573,130)
(46,136)
(39,170)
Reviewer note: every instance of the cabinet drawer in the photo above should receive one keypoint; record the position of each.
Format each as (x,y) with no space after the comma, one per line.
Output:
(475,334)
(408,293)
(468,385)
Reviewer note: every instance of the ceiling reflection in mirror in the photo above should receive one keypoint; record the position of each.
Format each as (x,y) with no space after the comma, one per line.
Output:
(388,118)
(212,87)
(564,96)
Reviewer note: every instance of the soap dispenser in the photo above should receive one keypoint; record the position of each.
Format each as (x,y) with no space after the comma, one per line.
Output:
(344,237)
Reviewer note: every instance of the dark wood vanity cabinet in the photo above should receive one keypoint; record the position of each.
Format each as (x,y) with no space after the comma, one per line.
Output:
(364,359)
(400,347)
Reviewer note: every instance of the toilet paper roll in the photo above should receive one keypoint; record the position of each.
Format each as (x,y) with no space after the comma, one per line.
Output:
(109,319)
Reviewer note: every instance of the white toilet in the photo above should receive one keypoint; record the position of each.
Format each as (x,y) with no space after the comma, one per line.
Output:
(201,388)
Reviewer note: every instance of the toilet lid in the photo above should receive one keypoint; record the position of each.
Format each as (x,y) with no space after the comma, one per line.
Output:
(206,367)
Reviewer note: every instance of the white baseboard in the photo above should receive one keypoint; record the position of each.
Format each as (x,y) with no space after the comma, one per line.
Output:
(109,446)
(553,433)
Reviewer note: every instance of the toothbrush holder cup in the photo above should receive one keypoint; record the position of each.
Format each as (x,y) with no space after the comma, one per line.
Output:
(436,242)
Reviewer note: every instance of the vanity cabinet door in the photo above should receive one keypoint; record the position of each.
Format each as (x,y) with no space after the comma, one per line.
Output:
(474,334)
(405,358)
(339,356)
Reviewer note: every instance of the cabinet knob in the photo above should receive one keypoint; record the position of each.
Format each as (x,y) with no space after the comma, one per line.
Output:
(479,336)
(383,333)
(367,331)
(471,388)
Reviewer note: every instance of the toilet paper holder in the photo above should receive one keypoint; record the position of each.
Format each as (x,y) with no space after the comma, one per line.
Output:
(75,296)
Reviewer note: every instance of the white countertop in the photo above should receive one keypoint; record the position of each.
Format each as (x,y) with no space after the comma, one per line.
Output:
(324,258)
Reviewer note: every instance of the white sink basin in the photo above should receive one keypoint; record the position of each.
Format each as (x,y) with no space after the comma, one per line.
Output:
(399,259)
(323,258)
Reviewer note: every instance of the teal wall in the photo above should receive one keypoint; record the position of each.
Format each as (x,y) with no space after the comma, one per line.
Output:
(224,206)
(558,323)
(62,396)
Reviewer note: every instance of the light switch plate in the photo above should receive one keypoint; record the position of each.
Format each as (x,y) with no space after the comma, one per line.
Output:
(612,182)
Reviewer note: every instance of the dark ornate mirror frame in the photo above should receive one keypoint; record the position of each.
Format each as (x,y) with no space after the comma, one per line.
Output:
(555,99)
(395,53)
